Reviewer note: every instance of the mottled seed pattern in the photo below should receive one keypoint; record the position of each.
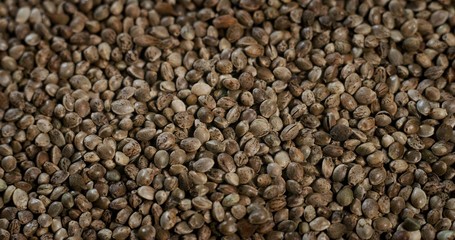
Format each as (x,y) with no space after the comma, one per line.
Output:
(227,119)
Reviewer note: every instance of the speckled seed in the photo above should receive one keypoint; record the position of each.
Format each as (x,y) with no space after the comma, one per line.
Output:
(377,176)
(121,233)
(238,211)
(356,174)
(365,95)
(122,107)
(370,208)
(340,132)
(363,229)
(259,127)
(203,164)
(190,144)
(165,141)
(42,140)
(121,159)
(282,73)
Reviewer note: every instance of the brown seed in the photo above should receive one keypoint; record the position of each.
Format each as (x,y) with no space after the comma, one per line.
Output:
(224,21)
(254,50)
(370,208)
(340,132)
(259,127)
(259,215)
(418,198)
(9,163)
(144,177)
(165,141)
(122,107)
(224,66)
(146,192)
(356,174)
(268,108)
(203,164)
(333,151)
(201,203)
(345,196)
(365,95)
(319,224)
(201,88)
(121,233)
(190,144)
(145,134)
(282,73)
(121,159)
(20,199)
(439,17)
(290,132)
(218,211)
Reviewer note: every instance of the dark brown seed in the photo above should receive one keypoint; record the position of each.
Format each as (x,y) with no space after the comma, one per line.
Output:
(340,132)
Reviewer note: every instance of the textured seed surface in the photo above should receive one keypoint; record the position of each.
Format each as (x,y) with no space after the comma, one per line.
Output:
(218,119)
(122,107)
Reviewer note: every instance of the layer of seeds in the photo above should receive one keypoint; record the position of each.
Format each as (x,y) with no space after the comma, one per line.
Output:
(227,119)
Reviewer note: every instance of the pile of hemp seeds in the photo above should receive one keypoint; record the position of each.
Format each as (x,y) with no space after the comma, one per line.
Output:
(227,119)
